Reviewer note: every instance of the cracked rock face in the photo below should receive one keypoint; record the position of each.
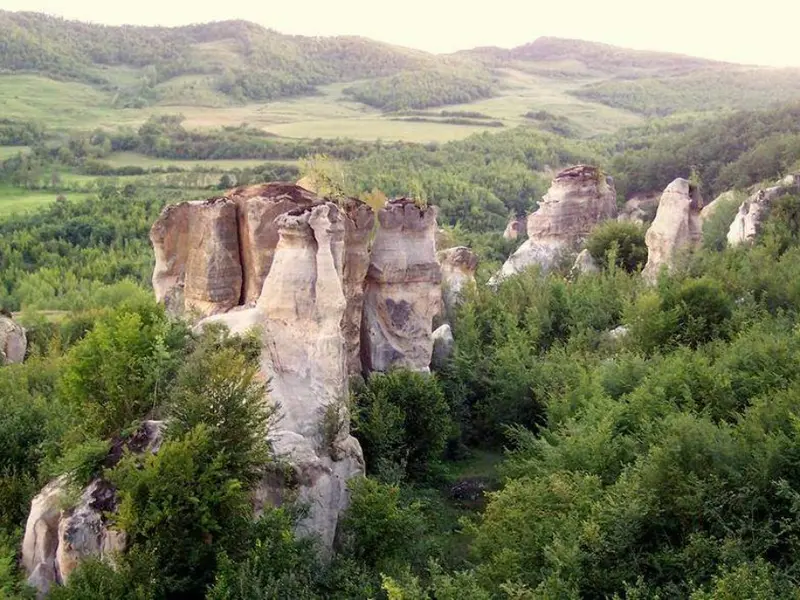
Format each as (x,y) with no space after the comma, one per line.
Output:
(403,289)
(578,199)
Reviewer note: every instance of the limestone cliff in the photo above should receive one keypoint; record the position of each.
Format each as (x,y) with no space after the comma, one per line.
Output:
(677,226)
(579,198)
(403,289)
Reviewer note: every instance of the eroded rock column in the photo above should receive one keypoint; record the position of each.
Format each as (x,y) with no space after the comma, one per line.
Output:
(304,358)
(677,226)
(403,289)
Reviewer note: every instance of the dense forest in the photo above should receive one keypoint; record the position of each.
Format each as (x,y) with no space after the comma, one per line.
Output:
(593,435)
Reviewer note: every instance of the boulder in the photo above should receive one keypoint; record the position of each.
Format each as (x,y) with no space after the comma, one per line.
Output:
(58,537)
(677,226)
(305,360)
(458,272)
(514,228)
(709,209)
(13,341)
(755,209)
(640,209)
(443,344)
(579,198)
(403,289)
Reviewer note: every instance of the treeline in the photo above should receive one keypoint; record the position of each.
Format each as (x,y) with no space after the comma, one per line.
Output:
(246,60)
(706,90)
(20,133)
(422,89)
(735,151)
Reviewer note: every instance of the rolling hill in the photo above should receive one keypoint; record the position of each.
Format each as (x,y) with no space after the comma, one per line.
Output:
(77,75)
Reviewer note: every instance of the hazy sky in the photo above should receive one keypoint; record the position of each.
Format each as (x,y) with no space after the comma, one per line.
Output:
(763,32)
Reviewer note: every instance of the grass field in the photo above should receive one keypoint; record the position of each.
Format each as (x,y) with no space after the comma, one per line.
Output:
(15,200)
(7,151)
(124,159)
(68,105)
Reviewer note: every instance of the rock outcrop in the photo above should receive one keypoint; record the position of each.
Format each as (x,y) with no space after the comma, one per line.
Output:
(13,341)
(677,226)
(458,272)
(443,345)
(403,289)
(754,210)
(709,209)
(514,228)
(578,199)
(640,209)
(584,263)
(305,359)
(58,537)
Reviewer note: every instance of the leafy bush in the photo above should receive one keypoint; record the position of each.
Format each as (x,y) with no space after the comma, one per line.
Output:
(402,420)
(624,238)
(716,227)
(181,508)
(381,529)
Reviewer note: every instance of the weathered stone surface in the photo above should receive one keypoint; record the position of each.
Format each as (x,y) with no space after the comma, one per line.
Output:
(584,263)
(514,228)
(578,199)
(213,267)
(258,207)
(58,537)
(13,341)
(359,222)
(403,289)
(640,209)
(304,358)
(754,210)
(458,272)
(677,226)
(443,344)
(170,238)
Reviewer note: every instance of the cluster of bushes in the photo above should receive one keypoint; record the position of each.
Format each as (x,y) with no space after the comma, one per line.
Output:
(422,89)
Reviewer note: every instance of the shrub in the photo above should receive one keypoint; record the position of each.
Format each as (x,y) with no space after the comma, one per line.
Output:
(716,227)
(379,528)
(181,508)
(402,420)
(625,238)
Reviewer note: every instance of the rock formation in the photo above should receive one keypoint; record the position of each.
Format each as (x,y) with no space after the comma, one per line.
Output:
(443,344)
(677,226)
(639,209)
(13,341)
(709,209)
(578,199)
(305,359)
(403,289)
(58,537)
(514,228)
(754,210)
(458,272)
(584,263)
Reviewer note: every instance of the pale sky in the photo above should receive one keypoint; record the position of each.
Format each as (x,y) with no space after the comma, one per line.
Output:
(763,32)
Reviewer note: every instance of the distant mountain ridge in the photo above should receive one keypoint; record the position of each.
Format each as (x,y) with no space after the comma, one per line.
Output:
(238,61)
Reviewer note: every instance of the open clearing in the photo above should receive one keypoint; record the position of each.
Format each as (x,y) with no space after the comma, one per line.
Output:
(16,200)
(69,105)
